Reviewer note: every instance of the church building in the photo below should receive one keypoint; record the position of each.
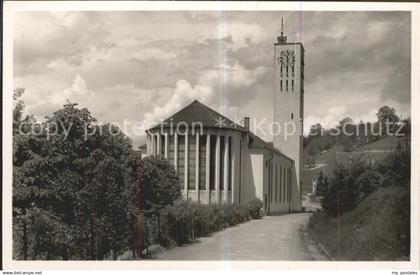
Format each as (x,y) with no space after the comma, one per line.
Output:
(220,161)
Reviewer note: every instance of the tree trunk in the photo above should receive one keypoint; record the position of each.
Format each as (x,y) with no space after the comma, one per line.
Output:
(65,254)
(25,241)
(158,222)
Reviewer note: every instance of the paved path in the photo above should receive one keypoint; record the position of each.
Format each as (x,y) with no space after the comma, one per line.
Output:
(271,238)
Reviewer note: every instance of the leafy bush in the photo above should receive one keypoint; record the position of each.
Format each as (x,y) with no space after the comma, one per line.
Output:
(180,221)
(209,219)
(235,214)
(159,184)
(184,221)
(255,208)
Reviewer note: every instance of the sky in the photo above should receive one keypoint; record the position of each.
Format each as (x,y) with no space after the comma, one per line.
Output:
(144,66)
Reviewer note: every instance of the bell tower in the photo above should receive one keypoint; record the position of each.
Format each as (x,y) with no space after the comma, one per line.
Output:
(288,107)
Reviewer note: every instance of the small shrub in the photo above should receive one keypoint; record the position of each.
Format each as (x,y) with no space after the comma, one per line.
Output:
(180,222)
(203,220)
(148,227)
(255,208)
(235,214)
(184,221)
(217,218)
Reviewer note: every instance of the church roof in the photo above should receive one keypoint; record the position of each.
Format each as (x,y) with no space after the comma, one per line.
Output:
(257,142)
(197,112)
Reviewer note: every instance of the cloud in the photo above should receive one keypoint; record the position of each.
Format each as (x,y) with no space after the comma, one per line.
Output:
(119,67)
(330,120)
(75,92)
(233,82)
(183,94)
(241,35)
(42,37)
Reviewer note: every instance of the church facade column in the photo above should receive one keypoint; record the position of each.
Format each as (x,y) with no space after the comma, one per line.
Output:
(166,146)
(217,167)
(208,168)
(186,166)
(176,151)
(197,166)
(226,173)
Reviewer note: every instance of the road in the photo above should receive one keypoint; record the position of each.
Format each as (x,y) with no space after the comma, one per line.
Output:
(271,238)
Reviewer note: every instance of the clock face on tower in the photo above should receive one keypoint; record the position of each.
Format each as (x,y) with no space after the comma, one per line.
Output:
(287,58)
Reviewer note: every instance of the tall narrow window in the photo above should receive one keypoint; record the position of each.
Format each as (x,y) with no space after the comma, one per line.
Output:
(271,194)
(281,182)
(281,85)
(284,184)
(230,164)
(162,144)
(222,163)
(293,71)
(191,162)
(287,85)
(286,187)
(181,160)
(289,185)
(287,71)
(171,148)
(276,181)
(202,163)
(293,85)
(281,71)
(212,162)
(291,116)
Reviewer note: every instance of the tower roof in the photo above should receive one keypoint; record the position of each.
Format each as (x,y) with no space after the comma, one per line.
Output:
(282,39)
(196,112)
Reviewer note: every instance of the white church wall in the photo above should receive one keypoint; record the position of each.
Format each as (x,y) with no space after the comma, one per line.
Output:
(249,175)
(257,162)
(280,203)
(260,172)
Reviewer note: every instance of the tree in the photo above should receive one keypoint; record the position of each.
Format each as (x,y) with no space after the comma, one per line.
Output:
(387,116)
(159,187)
(69,187)
(27,193)
(342,192)
(159,184)
(316,130)
(406,127)
(396,167)
(347,133)
(386,113)
(321,184)
(368,182)
(113,156)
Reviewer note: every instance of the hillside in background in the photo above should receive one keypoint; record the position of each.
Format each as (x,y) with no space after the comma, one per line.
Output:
(364,210)
(327,160)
